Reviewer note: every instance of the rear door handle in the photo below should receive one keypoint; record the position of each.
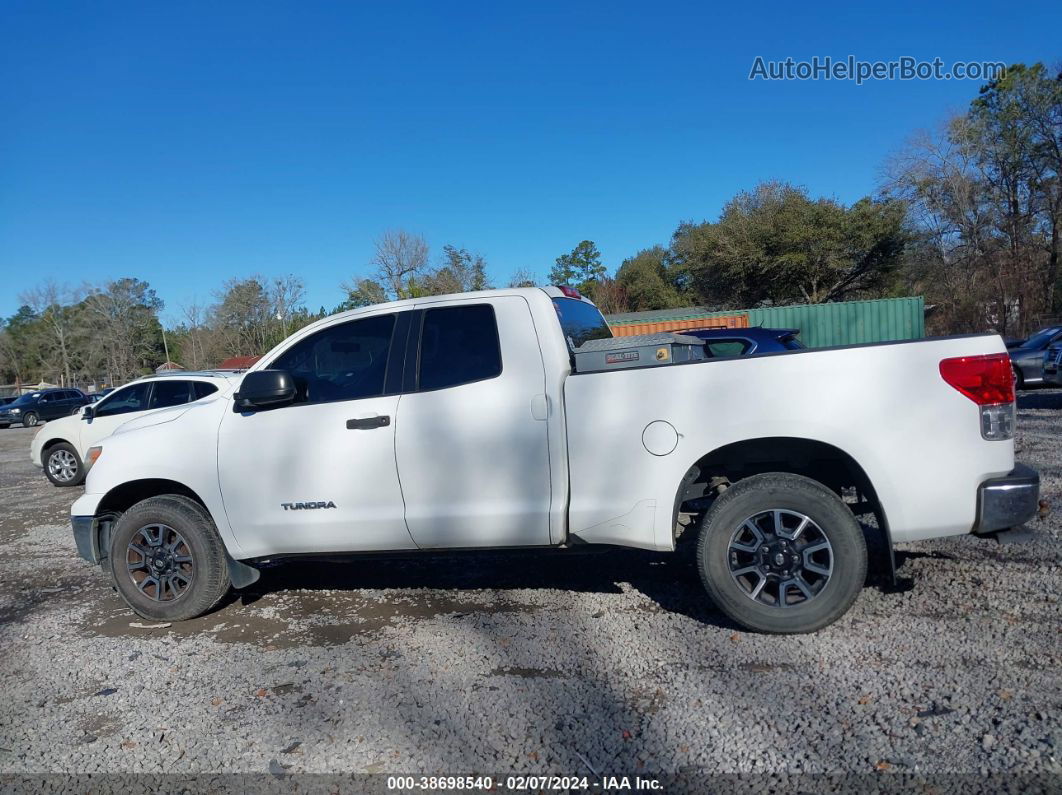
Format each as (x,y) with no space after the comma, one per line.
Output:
(368,423)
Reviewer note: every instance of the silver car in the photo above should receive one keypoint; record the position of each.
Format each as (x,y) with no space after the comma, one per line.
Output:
(1027,357)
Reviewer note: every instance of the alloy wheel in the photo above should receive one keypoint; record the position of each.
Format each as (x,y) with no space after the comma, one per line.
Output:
(62,465)
(160,563)
(780,558)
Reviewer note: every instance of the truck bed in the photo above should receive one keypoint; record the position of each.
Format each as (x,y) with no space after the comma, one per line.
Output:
(885,405)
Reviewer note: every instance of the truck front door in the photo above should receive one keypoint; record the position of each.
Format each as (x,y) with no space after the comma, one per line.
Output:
(471,443)
(319,475)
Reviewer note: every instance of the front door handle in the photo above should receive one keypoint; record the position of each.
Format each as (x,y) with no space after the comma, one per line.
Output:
(368,423)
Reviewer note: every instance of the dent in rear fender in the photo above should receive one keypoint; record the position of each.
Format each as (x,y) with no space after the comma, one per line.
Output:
(632,529)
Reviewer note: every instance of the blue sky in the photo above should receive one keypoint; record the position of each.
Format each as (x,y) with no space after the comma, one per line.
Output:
(184,143)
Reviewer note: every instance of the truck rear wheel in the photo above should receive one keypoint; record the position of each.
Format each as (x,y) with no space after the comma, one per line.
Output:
(781,553)
(167,559)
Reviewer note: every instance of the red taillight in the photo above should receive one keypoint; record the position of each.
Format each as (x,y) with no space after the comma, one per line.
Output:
(984,379)
(571,292)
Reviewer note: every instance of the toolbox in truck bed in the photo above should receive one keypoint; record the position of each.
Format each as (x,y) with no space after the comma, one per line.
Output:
(641,350)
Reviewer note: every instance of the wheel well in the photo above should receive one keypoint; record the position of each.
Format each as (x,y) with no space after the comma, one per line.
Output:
(122,498)
(48,445)
(822,462)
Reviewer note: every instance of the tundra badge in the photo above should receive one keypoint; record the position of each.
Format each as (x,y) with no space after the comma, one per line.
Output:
(306,506)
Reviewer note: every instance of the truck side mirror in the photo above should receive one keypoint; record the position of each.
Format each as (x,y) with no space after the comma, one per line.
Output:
(264,389)
(87,412)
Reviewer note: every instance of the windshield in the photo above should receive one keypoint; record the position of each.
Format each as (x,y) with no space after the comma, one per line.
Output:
(24,399)
(580,321)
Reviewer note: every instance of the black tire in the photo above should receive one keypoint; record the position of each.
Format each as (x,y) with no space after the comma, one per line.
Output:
(29,419)
(208,567)
(722,554)
(5,425)
(1019,379)
(58,460)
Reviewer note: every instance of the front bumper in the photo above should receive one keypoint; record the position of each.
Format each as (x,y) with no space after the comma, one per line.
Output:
(35,450)
(1008,501)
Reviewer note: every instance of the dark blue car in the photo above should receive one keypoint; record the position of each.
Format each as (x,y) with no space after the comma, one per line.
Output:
(42,404)
(725,342)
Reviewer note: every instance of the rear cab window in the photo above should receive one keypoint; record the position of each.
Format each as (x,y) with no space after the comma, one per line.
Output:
(580,322)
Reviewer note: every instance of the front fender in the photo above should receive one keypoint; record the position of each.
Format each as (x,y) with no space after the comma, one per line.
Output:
(182,450)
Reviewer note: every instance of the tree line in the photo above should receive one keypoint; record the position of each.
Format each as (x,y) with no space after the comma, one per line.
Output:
(970,216)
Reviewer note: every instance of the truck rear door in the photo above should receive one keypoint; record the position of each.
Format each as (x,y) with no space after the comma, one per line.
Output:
(471,439)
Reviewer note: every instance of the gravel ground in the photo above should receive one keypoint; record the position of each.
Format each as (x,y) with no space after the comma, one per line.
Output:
(533,663)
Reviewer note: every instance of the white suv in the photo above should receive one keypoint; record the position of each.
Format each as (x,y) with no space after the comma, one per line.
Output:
(61,446)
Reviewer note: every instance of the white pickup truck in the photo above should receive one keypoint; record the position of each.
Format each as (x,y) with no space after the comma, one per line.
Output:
(460,422)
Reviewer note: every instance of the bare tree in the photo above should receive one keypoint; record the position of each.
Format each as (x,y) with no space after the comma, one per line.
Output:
(53,303)
(523,277)
(286,294)
(610,296)
(400,258)
(194,318)
(977,254)
(125,319)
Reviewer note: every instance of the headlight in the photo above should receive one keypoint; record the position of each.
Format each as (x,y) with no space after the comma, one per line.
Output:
(92,455)
(16,411)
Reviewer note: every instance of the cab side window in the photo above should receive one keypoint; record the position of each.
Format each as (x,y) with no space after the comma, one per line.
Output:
(124,401)
(343,362)
(202,389)
(458,345)
(171,393)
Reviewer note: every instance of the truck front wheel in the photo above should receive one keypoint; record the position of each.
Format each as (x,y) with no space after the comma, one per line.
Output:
(781,553)
(167,559)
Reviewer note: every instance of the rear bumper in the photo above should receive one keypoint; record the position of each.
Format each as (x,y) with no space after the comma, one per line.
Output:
(1008,501)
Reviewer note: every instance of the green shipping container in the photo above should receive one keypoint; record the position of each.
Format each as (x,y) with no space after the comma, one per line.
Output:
(821,325)
(848,322)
